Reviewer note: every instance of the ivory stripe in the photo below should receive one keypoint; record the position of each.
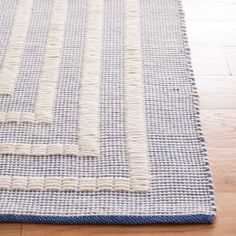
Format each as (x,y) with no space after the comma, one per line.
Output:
(39,149)
(12,59)
(134,99)
(17,117)
(49,77)
(64,183)
(90,82)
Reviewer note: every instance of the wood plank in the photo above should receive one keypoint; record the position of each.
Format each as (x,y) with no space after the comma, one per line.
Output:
(209,60)
(223,166)
(210,10)
(220,78)
(212,33)
(219,127)
(231,59)
(217,92)
(10,229)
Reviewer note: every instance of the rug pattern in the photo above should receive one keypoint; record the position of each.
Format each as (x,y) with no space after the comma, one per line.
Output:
(99,115)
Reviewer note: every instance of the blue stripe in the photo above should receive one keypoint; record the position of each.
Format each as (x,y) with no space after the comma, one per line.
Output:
(127,220)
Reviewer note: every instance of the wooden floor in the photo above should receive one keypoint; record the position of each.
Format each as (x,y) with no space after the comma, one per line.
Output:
(212,35)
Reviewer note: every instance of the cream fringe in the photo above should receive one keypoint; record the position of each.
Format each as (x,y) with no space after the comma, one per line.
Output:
(39,149)
(64,183)
(49,77)
(134,99)
(90,82)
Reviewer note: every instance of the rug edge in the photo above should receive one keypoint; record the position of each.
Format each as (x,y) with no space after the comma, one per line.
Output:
(112,220)
(196,103)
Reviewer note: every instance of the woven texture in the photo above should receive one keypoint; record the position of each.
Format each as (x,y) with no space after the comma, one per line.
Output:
(99,117)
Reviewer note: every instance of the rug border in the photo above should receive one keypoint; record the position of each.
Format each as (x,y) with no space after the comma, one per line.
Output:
(111,220)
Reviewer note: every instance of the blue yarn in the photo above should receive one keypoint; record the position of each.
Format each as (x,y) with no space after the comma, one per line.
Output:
(126,220)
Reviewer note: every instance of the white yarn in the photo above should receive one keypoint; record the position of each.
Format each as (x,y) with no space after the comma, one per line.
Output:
(90,82)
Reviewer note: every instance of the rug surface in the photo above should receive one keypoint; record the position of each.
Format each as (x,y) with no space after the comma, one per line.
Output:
(99,117)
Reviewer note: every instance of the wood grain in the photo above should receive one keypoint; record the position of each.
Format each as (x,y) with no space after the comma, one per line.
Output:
(219,127)
(10,229)
(223,168)
(217,92)
(208,33)
(208,59)
(211,24)
(211,10)
(231,57)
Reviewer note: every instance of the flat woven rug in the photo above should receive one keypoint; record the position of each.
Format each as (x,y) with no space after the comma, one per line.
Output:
(99,117)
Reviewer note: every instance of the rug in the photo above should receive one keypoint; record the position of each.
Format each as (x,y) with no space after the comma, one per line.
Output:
(99,116)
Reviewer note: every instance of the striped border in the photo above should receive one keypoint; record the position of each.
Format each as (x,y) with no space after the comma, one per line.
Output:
(15,47)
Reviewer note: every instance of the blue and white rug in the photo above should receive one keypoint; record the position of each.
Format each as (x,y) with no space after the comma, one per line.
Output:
(99,117)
